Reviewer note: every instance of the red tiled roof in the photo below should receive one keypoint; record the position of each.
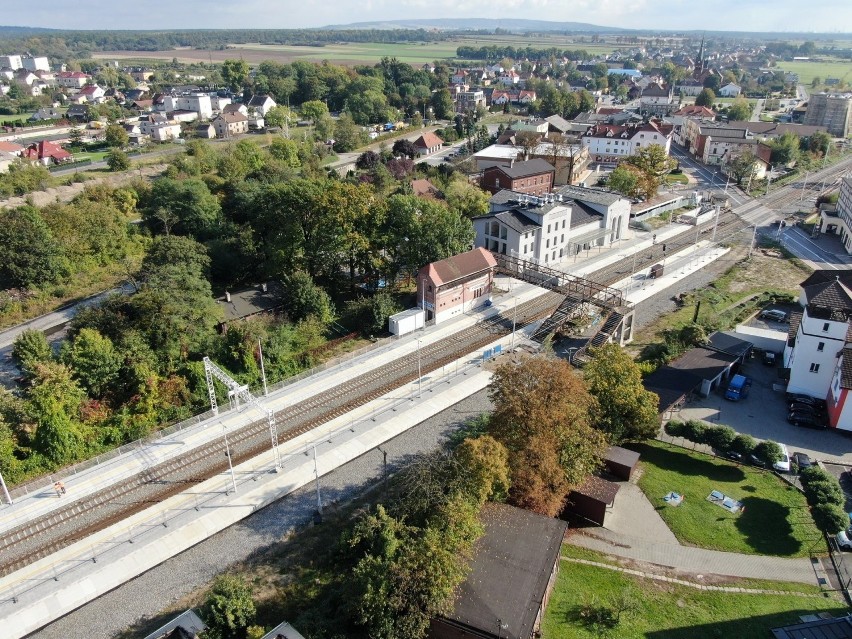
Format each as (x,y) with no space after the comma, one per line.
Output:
(11,147)
(73,74)
(428,140)
(693,110)
(45,149)
(459,266)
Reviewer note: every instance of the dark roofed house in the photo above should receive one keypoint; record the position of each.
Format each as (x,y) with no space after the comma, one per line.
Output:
(258,300)
(621,462)
(672,386)
(534,177)
(815,627)
(455,285)
(186,625)
(710,365)
(725,343)
(591,500)
(513,571)
(425,189)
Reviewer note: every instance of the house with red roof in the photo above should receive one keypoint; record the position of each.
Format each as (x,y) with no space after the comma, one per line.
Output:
(455,285)
(72,79)
(611,143)
(428,143)
(47,153)
(89,94)
(11,148)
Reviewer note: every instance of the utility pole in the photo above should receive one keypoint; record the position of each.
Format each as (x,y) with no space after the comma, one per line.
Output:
(716,222)
(262,368)
(514,321)
(804,184)
(384,467)
(753,240)
(230,464)
(316,476)
(419,374)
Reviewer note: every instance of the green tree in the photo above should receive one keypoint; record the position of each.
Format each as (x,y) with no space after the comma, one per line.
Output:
(824,492)
(235,73)
(117,160)
(370,314)
(277,116)
(29,254)
(720,438)
(195,210)
(465,198)
(626,411)
(485,466)
(742,166)
(303,298)
(229,608)
(287,151)
(829,518)
(624,179)
(348,136)
(785,149)
(739,110)
(30,349)
(314,110)
(743,444)
(819,142)
(75,136)
(442,104)
(706,98)
(94,360)
(116,136)
(768,452)
(653,163)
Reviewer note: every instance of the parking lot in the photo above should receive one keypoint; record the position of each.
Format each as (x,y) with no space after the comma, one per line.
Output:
(763,415)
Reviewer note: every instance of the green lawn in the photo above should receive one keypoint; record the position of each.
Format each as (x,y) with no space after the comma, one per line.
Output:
(667,611)
(775,521)
(676,178)
(808,70)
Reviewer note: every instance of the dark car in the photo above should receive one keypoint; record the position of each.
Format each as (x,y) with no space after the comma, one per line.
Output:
(799,407)
(806,420)
(801,460)
(805,399)
(769,358)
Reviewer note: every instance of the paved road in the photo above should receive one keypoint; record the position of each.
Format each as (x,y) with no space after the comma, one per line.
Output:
(758,109)
(708,177)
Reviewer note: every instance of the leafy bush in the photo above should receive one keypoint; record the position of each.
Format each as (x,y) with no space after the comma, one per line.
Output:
(824,492)
(829,518)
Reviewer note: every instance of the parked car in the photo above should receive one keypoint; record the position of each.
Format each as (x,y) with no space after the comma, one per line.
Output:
(843,541)
(806,420)
(805,399)
(798,407)
(769,358)
(801,460)
(738,388)
(773,315)
(783,464)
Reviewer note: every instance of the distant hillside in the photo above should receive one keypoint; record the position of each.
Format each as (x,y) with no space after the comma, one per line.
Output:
(479,24)
(6,31)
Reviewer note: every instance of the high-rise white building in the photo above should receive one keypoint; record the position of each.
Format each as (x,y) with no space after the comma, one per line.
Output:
(11,61)
(36,63)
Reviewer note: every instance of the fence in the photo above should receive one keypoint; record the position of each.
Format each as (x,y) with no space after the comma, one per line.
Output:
(68,165)
(111,549)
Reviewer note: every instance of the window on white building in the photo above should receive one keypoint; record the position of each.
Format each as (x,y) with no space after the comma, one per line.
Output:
(825,327)
(814,367)
(821,347)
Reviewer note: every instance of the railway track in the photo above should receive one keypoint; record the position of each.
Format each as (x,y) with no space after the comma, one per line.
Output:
(48,534)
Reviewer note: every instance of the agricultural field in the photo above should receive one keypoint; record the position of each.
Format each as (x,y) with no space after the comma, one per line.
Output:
(808,70)
(414,53)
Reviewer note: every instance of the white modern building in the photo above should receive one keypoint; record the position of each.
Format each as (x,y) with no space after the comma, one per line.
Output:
(838,219)
(198,102)
(39,63)
(552,228)
(11,61)
(819,332)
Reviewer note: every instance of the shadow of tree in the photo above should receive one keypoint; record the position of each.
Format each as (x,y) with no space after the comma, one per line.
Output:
(692,465)
(776,539)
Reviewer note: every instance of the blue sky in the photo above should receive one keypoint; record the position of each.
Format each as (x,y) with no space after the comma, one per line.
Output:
(746,15)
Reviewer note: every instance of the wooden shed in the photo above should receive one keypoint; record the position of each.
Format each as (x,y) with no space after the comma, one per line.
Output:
(591,500)
(621,462)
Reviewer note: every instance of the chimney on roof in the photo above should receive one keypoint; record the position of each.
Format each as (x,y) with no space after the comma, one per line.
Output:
(227,296)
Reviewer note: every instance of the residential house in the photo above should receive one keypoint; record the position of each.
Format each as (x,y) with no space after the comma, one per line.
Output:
(538,126)
(610,143)
(72,79)
(39,63)
(569,160)
(7,160)
(283,631)
(182,116)
(79,112)
(11,61)
(497,155)
(263,299)
(141,75)
(46,113)
(47,153)
(219,102)
(91,93)
(689,87)
(262,104)
(235,108)
(511,96)
(12,148)
(831,110)
(469,100)
(205,130)
(459,76)
(558,124)
(428,143)
(423,188)
(657,100)
(509,78)
(838,220)
(818,343)
(159,129)
(453,286)
(200,103)
(512,573)
(761,152)
(535,177)
(730,90)
(186,625)
(553,227)
(230,124)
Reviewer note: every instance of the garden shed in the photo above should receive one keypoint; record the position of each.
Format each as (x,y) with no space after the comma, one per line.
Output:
(591,500)
(621,462)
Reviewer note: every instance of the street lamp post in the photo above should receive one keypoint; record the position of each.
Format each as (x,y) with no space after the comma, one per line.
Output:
(514,322)
(316,477)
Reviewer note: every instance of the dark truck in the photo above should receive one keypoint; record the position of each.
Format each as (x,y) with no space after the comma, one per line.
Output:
(738,388)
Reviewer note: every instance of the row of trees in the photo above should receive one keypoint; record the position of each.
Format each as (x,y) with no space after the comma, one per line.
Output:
(826,500)
(725,440)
